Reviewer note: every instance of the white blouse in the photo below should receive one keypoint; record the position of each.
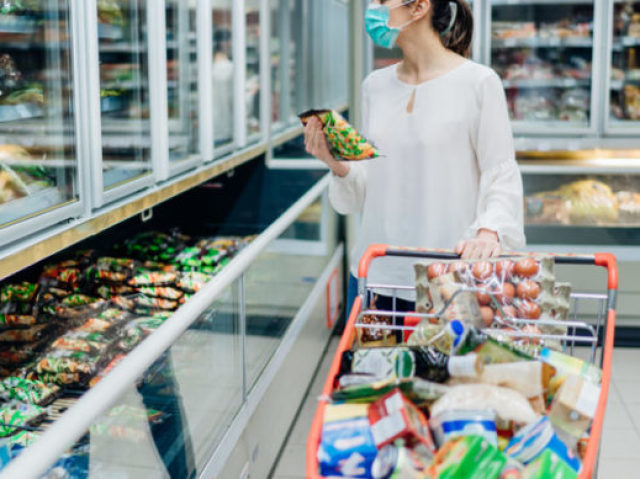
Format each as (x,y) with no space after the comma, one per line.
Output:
(448,168)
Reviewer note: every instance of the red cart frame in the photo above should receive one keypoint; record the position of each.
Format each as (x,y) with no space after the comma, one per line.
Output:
(605,260)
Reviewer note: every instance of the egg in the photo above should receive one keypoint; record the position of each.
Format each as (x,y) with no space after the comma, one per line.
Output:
(509,311)
(527,267)
(435,270)
(531,329)
(459,267)
(504,294)
(487,315)
(483,298)
(482,270)
(505,269)
(528,289)
(529,310)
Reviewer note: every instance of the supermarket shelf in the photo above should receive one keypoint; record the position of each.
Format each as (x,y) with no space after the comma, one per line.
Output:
(15,24)
(547,83)
(619,84)
(600,166)
(578,42)
(621,43)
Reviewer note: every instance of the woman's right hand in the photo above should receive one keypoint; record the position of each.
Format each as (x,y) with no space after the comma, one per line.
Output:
(316,144)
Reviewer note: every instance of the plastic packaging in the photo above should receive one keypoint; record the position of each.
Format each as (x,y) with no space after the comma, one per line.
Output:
(344,140)
(548,465)
(28,391)
(452,424)
(467,457)
(14,415)
(509,405)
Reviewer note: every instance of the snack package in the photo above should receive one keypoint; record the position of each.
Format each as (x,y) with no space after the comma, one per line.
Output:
(161,292)
(28,335)
(452,424)
(467,456)
(547,465)
(394,417)
(362,389)
(566,365)
(376,337)
(12,321)
(108,368)
(153,278)
(28,391)
(192,282)
(344,140)
(15,415)
(346,447)
(574,407)
(64,379)
(78,366)
(535,439)
(82,341)
(106,291)
(509,405)
(24,292)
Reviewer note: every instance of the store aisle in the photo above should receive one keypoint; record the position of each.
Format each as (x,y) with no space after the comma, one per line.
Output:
(621,437)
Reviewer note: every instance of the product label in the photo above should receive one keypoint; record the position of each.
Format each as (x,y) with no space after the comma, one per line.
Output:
(388,427)
(463,366)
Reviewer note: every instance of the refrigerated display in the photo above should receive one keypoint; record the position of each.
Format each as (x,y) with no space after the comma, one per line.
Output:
(624,78)
(223,73)
(253,92)
(182,79)
(545,54)
(124,91)
(38,161)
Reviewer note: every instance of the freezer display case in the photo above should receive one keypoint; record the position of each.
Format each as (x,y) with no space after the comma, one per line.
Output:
(38,161)
(582,202)
(182,79)
(223,74)
(544,52)
(624,73)
(124,92)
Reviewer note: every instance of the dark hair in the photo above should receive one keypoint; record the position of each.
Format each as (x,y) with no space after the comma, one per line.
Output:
(461,34)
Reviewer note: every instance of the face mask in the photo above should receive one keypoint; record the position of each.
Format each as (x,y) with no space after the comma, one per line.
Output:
(376,21)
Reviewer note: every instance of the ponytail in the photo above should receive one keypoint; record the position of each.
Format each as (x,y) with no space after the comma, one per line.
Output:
(453,19)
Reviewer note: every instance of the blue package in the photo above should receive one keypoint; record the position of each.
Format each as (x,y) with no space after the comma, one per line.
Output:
(346,448)
(532,440)
(451,424)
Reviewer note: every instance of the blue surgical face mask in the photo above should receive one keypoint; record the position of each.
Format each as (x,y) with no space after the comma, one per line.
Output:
(376,21)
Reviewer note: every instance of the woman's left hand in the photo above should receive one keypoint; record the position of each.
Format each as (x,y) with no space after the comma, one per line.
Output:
(486,244)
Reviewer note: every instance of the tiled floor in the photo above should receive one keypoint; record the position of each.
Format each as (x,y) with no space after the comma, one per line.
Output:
(620,449)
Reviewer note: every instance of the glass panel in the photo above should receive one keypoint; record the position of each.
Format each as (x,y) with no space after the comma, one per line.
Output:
(275,46)
(296,89)
(253,67)
(625,71)
(222,72)
(37,150)
(544,55)
(582,209)
(124,91)
(279,282)
(182,79)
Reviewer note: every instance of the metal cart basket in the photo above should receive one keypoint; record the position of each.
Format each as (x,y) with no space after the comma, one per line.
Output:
(593,340)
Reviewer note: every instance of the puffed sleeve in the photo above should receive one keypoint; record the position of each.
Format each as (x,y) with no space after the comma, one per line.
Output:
(500,198)
(347,193)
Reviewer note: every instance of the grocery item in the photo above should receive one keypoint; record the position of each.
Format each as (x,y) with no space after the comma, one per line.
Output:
(628,206)
(28,335)
(574,407)
(451,424)
(376,336)
(591,202)
(23,292)
(107,369)
(548,465)
(566,365)
(509,405)
(399,462)
(467,457)
(82,341)
(346,447)
(364,389)
(443,292)
(9,321)
(28,391)
(535,439)
(632,102)
(192,282)
(394,417)
(344,141)
(15,415)
(161,292)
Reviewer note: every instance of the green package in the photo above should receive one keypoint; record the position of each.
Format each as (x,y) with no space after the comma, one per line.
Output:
(28,391)
(344,140)
(13,416)
(548,465)
(468,457)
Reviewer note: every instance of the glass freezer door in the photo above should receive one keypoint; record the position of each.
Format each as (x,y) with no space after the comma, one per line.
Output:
(544,53)
(253,92)
(624,78)
(182,80)
(38,162)
(223,74)
(124,91)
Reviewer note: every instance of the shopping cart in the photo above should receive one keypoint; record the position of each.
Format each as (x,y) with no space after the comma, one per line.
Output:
(594,339)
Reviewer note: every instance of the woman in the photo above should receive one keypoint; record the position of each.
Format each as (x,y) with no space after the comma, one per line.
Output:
(448,175)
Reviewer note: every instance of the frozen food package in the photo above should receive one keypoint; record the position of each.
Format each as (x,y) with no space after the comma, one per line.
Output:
(510,405)
(362,388)
(23,292)
(344,140)
(28,335)
(192,282)
(14,415)
(28,391)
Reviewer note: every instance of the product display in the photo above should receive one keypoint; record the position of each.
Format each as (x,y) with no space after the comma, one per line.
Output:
(344,141)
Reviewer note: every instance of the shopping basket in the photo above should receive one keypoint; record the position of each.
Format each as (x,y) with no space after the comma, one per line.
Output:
(598,337)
